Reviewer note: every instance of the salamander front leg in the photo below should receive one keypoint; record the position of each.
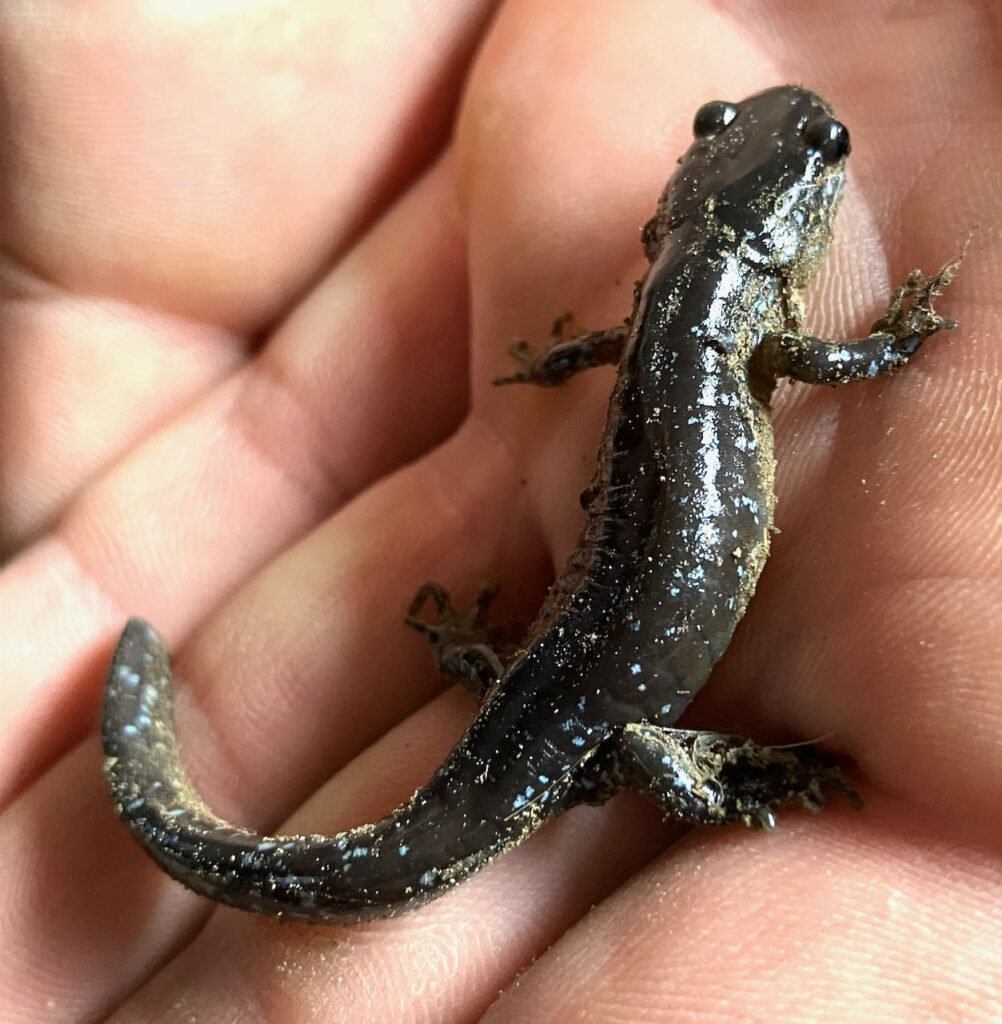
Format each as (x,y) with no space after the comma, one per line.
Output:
(466,647)
(897,335)
(709,778)
(565,356)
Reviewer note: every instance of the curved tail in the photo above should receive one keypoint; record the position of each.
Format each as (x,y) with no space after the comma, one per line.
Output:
(440,836)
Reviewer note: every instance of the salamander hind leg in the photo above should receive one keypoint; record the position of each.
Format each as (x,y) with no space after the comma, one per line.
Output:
(467,649)
(709,778)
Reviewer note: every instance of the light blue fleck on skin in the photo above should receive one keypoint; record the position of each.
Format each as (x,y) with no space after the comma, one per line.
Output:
(127,676)
(581,703)
(635,625)
(578,741)
(143,721)
(544,779)
(428,878)
(129,730)
(523,798)
(642,687)
(360,851)
(674,591)
(666,759)
(665,708)
(402,849)
(635,668)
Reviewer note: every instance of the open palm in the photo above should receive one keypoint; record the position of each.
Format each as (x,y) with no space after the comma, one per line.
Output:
(244,252)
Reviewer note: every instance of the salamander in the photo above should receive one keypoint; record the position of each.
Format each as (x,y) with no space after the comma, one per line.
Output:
(677,530)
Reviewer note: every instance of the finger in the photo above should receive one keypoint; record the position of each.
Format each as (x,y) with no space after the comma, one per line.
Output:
(322,628)
(81,380)
(237,172)
(78,903)
(200,144)
(775,924)
(218,491)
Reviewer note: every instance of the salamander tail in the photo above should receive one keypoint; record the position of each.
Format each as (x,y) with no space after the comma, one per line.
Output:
(374,870)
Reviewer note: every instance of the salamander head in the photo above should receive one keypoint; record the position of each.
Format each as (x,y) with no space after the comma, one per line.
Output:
(768,172)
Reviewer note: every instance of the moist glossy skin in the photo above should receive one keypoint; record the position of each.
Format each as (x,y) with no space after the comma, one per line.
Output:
(677,532)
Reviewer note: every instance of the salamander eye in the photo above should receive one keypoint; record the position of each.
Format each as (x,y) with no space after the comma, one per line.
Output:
(712,118)
(828,137)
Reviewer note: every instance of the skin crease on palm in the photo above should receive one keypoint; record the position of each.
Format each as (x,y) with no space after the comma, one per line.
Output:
(244,250)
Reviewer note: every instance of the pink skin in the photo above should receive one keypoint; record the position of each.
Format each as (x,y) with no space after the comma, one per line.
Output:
(174,191)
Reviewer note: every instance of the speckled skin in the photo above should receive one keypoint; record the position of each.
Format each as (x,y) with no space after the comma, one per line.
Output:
(678,527)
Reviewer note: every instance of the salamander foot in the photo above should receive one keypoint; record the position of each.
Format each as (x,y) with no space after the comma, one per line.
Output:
(710,778)
(466,647)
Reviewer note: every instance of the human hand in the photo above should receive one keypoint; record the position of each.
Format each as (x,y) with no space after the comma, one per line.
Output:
(178,190)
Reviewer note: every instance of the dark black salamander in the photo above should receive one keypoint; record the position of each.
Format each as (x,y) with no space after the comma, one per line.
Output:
(678,524)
